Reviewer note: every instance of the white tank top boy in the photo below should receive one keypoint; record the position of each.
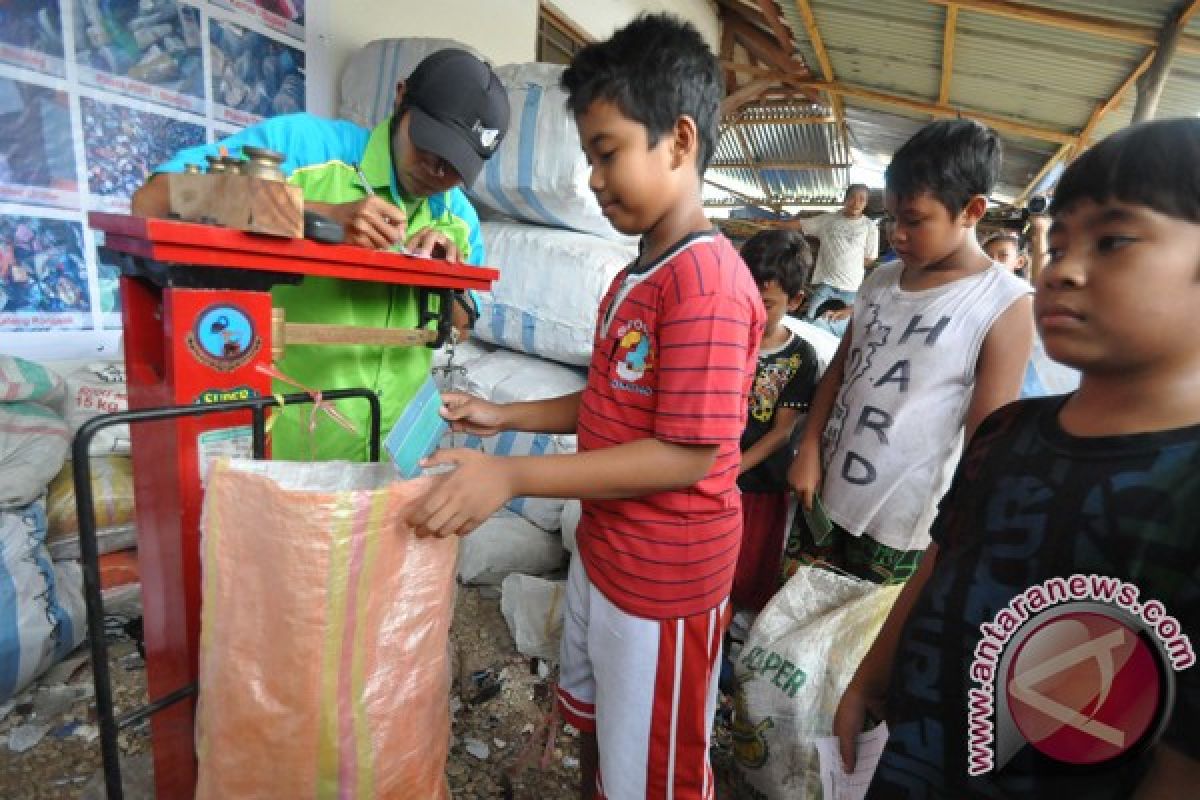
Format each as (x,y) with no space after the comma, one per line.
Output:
(895,430)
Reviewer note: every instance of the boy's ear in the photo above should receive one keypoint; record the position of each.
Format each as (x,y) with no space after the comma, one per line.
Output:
(795,300)
(686,142)
(974,210)
(400,87)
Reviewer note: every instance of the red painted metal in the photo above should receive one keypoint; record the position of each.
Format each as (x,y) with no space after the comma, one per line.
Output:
(167,366)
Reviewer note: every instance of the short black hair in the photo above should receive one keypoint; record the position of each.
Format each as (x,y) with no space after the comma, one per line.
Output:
(858,187)
(780,256)
(952,159)
(1155,164)
(656,69)
(1003,236)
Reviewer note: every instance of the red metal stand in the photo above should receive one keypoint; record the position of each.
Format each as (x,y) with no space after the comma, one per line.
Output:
(196,310)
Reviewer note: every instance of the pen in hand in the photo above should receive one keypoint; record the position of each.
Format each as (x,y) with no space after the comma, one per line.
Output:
(370,190)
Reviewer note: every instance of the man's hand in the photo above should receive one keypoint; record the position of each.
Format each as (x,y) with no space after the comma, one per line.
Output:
(459,501)
(469,414)
(430,243)
(804,476)
(369,222)
(852,709)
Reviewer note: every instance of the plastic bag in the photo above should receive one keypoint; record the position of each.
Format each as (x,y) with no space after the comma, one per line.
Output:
(112,501)
(801,653)
(99,388)
(324,632)
(41,603)
(506,543)
(533,608)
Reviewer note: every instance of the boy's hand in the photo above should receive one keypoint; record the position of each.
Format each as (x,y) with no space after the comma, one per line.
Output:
(804,476)
(469,414)
(851,712)
(460,500)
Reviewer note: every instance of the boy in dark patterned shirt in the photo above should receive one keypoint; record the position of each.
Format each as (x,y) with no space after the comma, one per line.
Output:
(1044,647)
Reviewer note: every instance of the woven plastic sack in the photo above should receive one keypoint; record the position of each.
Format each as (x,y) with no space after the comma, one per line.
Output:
(368,85)
(33,446)
(324,631)
(550,286)
(801,653)
(539,173)
(22,380)
(112,502)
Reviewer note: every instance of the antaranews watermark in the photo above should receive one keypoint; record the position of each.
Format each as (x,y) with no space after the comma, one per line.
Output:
(1090,678)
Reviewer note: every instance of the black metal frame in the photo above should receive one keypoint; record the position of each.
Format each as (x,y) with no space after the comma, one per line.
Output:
(81,467)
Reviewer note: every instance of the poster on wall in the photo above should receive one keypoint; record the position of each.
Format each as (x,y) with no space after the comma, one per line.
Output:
(37,154)
(286,16)
(253,76)
(31,36)
(93,95)
(43,275)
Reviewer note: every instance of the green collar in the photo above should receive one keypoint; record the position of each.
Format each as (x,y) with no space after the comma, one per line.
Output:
(377,160)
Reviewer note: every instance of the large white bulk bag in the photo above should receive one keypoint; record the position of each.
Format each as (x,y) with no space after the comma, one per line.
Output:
(367,93)
(550,286)
(539,173)
(99,388)
(33,446)
(506,543)
(41,603)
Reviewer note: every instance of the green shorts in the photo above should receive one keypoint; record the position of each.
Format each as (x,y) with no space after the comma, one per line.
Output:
(840,551)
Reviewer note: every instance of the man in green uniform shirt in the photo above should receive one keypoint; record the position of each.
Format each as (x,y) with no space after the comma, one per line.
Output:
(396,184)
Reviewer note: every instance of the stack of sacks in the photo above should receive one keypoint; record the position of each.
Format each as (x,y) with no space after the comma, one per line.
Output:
(41,602)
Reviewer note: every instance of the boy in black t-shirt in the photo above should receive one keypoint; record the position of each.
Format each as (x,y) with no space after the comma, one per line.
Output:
(1044,647)
(783,386)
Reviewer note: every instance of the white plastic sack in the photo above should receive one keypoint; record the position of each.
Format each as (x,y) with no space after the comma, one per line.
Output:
(539,173)
(533,609)
(22,380)
(545,512)
(33,446)
(99,388)
(367,91)
(41,603)
(800,655)
(550,286)
(504,376)
(504,544)
(823,342)
(571,514)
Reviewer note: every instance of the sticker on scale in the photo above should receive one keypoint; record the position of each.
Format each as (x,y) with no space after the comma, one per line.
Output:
(223,443)
(223,338)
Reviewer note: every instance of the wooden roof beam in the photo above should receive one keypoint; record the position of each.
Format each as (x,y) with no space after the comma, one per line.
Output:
(771,11)
(1061,154)
(818,45)
(1151,83)
(748,154)
(947,54)
(1003,124)
(794,166)
(745,95)
(1073,21)
(739,195)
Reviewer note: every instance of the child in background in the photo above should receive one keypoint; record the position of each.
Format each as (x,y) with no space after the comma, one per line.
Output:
(1004,247)
(1096,485)
(938,341)
(779,262)
(658,428)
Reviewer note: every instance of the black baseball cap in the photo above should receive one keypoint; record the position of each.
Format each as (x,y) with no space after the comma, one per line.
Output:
(459,110)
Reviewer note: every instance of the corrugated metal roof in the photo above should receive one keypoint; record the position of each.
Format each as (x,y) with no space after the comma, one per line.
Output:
(1045,76)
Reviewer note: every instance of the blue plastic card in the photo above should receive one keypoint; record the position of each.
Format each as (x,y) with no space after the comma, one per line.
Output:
(418,431)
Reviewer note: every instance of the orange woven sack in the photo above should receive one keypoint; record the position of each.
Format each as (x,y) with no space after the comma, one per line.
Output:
(323,644)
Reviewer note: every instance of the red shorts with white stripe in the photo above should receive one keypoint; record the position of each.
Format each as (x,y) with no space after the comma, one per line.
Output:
(647,688)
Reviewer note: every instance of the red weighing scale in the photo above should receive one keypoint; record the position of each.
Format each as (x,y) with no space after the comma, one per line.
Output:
(198,324)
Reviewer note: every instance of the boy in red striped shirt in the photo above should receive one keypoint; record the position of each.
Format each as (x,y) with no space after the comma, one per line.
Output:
(659,425)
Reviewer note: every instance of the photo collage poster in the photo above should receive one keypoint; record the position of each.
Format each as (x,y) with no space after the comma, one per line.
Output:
(93,95)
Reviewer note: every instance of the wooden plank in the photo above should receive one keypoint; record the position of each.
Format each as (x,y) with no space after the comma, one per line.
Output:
(818,45)
(745,95)
(1061,154)
(948,31)
(754,201)
(771,12)
(1000,123)
(1072,21)
(238,202)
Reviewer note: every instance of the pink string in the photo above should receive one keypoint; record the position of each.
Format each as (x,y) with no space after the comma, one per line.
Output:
(319,404)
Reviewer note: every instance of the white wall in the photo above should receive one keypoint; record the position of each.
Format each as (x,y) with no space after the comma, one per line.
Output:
(503,30)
